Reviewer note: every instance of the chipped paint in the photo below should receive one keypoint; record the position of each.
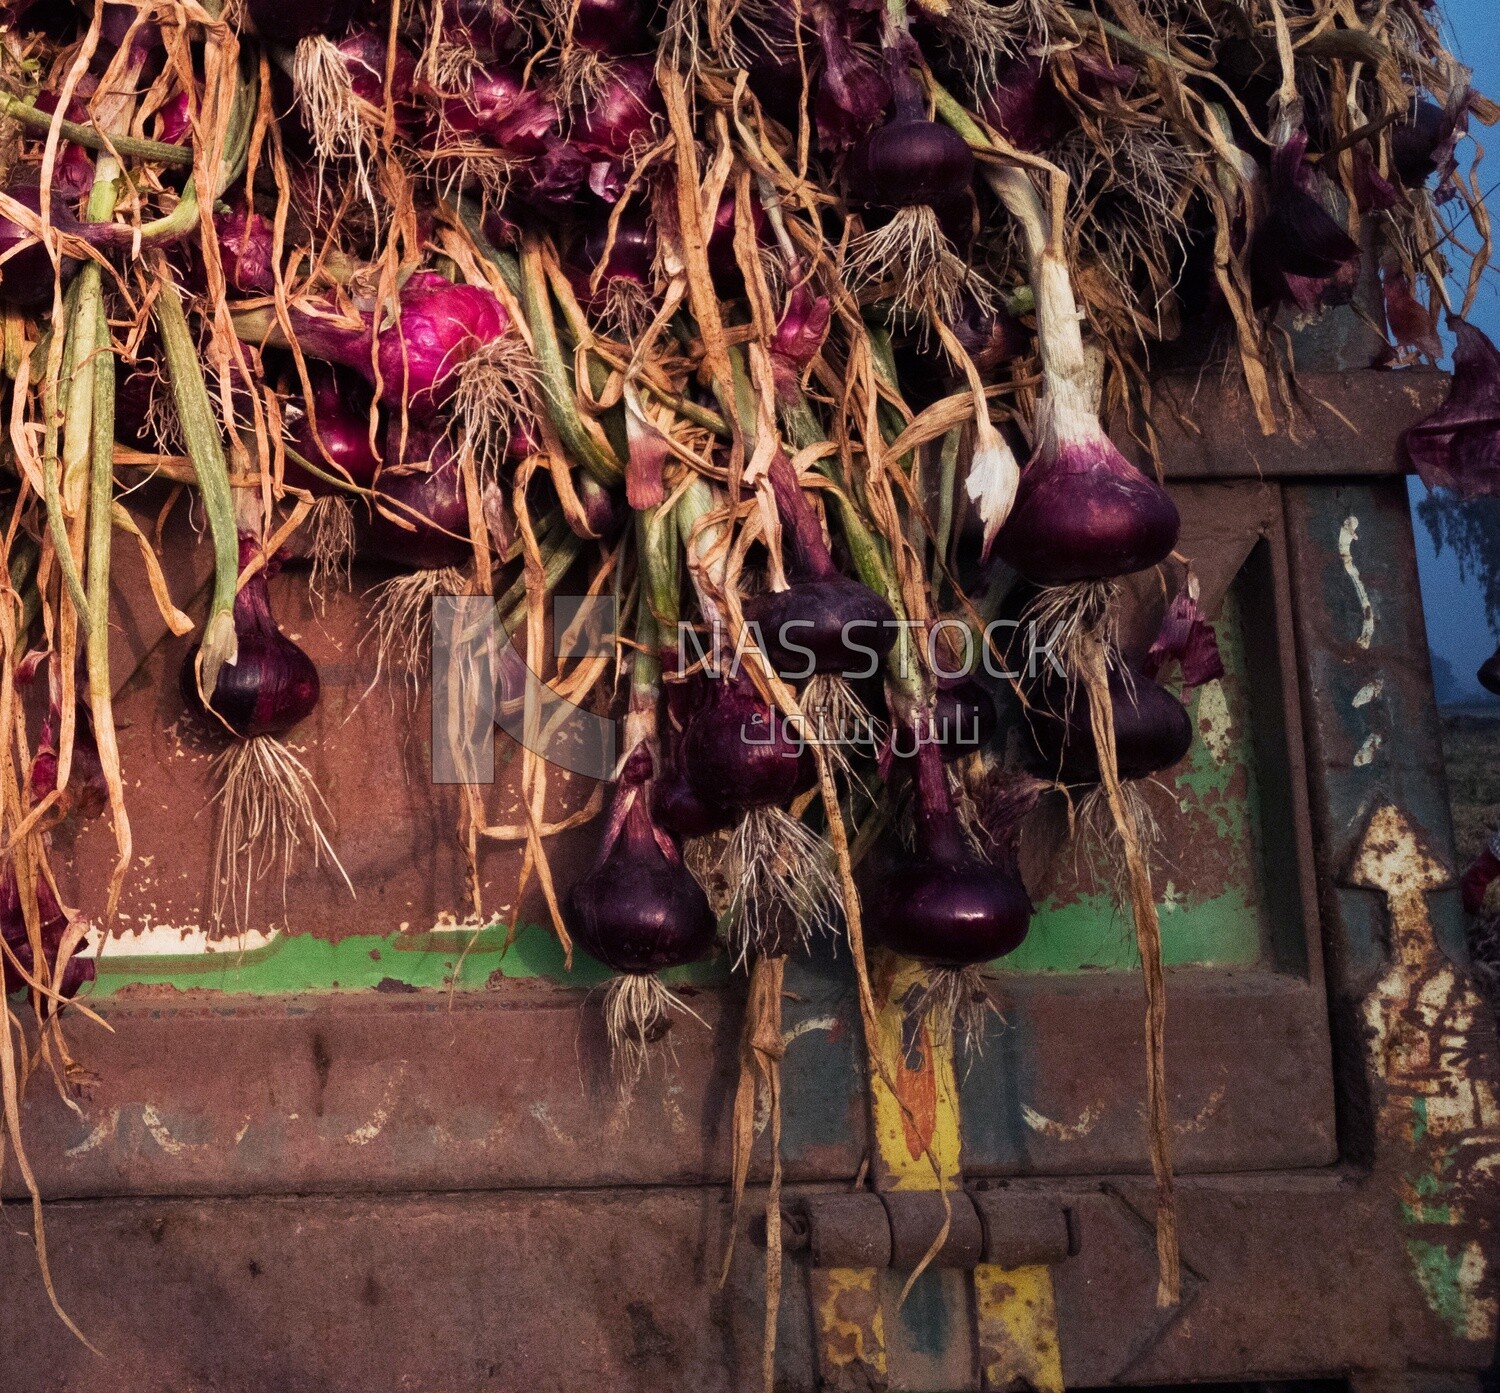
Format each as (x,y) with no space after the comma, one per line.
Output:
(1365,755)
(161,1134)
(1214,723)
(1368,693)
(103,1131)
(1016,1317)
(366,1132)
(850,1327)
(1062,1131)
(1348,534)
(1442,1114)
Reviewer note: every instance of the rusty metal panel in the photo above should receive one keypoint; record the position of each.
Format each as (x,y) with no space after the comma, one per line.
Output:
(1345,424)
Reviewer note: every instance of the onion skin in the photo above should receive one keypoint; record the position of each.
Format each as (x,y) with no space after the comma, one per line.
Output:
(622,114)
(1416,142)
(639,909)
(964,719)
(1083,512)
(609,26)
(943,905)
(833,624)
(433,490)
(273,685)
(1153,730)
(341,444)
(26,278)
(906,163)
(53,927)
(286,21)
(247,249)
(737,749)
(1458,446)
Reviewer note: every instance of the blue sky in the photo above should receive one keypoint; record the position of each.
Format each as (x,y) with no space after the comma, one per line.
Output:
(1456,625)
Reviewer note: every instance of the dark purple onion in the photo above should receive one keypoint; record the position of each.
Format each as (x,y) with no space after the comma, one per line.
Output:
(26,277)
(286,21)
(273,684)
(942,905)
(498,110)
(852,91)
(905,163)
(738,751)
(1299,237)
(682,810)
(630,254)
(341,444)
(1153,730)
(1188,639)
(73,169)
(964,718)
(1489,673)
(430,493)
(832,624)
(485,28)
(1025,106)
(639,909)
(620,116)
(1084,512)
(53,928)
(1416,142)
(608,26)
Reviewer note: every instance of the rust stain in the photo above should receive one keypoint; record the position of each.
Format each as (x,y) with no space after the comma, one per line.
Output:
(1438,1109)
(850,1327)
(1016,1318)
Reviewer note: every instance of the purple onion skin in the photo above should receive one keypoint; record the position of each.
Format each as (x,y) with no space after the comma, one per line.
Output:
(964,719)
(828,625)
(26,278)
(486,29)
(1458,446)
(434,492)
(639,909)
(286,21)
(630,254)
(680,809)
(1026,107)
(1084,512)
(87,792)
(906,163)
(1416,141)
(622,114)
(273,686)
(610,26)
(1489,673)
(342,404)
(497,109)
(247,249)
(174,125)
(735,751)
(1153,730)
(943,905)
(53,926)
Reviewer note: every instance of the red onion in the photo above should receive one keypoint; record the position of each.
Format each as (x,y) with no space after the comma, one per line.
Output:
(852,91)
(427,492)
(341,444)
(485,28)
(73,169)
(1417,142)
(53,926)
(286,21)
(910,161)
(639,909)
(173,120)
(943,905)
(1152,728)
(609,26)
(823,620)
(87,794)
(1299,236)
(247,250)
(273,685)
(497,109)
(964,718)
(1083,512)
(739,751)
(26,278)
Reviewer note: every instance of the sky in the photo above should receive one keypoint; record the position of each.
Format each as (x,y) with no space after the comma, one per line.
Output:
(1456,627)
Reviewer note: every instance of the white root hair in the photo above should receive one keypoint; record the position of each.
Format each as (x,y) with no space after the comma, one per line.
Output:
(269,806)
(331,524)
(335,116)
(957,1004)
(837,720)
(401,624)
(1068,620)
(911,260)
(638,1018)
(496,395)
(782,882)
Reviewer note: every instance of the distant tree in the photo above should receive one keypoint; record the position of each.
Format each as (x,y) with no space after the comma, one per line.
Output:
(1444,680)
(1472,529)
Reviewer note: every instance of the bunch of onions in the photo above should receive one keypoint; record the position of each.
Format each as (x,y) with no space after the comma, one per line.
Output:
(489,131)
(940,902)
(421,523)
(639,910)
(457,37)
(743,764)
(329,456)
(269,801)
(590,33)
(615,280)
(340,88)
(441,347)
(914,170)
(615,122)
(817,625)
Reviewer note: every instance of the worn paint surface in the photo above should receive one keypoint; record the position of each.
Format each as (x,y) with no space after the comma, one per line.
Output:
(849,1326)
(1439,1111)
(1016,1317)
